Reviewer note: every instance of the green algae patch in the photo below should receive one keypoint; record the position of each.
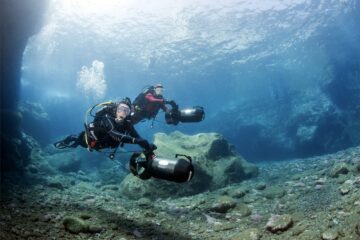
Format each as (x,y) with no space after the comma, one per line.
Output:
(75,225)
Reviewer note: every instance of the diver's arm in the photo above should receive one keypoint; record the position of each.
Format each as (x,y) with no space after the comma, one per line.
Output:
(133,138)
(141,141)
(161,100)
(133,132)
(151,98)
(164,108)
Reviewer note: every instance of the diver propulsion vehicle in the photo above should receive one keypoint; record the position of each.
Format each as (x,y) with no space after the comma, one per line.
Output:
(146,165)
(194,114)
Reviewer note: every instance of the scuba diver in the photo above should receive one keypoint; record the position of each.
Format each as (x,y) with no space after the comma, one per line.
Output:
(110,128)
(148,103)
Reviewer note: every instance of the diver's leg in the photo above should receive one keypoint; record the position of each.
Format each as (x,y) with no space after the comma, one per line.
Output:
(71,141)
(81,140)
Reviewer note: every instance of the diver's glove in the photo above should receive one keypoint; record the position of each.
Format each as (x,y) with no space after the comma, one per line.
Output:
(152,147)
(170,102)
(142,143)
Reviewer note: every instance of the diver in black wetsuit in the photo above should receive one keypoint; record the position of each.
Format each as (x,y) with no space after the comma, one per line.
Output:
(110,128)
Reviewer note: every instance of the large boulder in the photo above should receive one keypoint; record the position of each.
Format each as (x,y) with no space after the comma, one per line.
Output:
(216,165)
(16,146)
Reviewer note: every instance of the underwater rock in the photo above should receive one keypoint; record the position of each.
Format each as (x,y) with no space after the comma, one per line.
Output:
(330,234)
(239,192)
(279,223)
(10,123)
(339,168)
(65,162)
(256,217)
(306,124)
(235,169)
(110,187)
(260,186)
(320,181)
(242,210)
(35,121)
(357,167)
(223,204)
(219,148)
(57,185)
(75,225)
(209,173)
(144,202)
(32,169)
(210,145)
(344,189)
(16,146)
(95,228)
(47,217)
(69,165)
(357,228)
(273,192)
(248,234)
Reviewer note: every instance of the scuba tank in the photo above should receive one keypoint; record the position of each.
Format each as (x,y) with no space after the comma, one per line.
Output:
(194,114)
(147,165)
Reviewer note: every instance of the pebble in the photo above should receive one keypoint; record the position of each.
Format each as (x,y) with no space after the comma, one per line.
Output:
(248,234)
(320,181)
(279,223)
(33,169)
(88,197)
(357,229)
(144,202)
(299,184)
(75,225)
(57,185)
(274,192)
(223,204)
(85,216)
(16,230)
(47,217)
(330,234)
(239,193)
(242,210)
(344,190)
(260,186)
(95,229)
(255,217)
(137,233)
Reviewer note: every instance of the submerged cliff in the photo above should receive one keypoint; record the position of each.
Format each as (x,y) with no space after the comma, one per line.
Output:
(19,20)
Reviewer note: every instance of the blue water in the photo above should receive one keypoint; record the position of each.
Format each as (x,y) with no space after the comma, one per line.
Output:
(206,53)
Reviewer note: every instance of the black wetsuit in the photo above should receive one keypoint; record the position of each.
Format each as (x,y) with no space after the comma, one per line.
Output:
(104,132)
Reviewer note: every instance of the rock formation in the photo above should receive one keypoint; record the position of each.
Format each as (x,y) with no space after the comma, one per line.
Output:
(216,165)
(19,20)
